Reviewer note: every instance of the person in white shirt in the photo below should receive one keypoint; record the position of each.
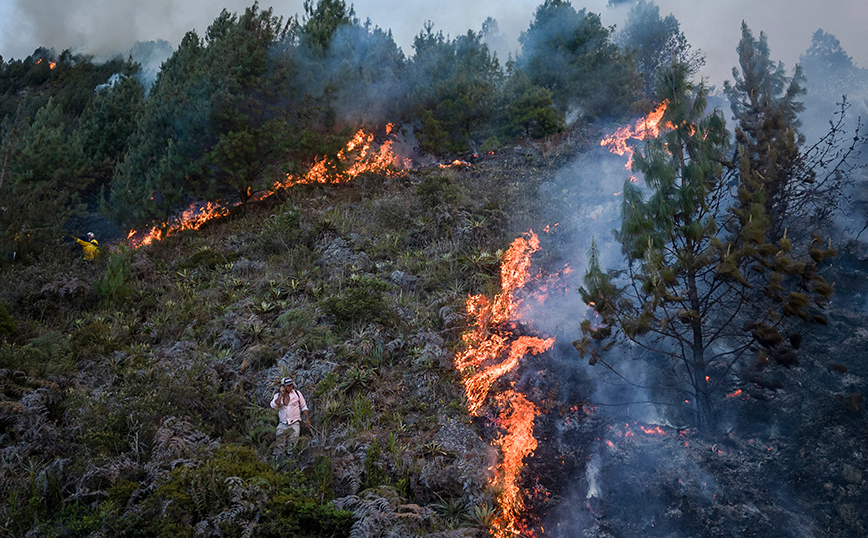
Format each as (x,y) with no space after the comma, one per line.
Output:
(290,407)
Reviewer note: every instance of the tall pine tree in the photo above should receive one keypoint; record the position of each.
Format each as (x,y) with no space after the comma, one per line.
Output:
(44,172)
(696,259)
(765,105)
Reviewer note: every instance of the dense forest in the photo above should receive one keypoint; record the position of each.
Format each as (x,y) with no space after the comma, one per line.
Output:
(482,356)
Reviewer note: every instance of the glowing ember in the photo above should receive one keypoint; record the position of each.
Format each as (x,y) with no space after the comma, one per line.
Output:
(647,127)
(656,430)
(355,158)
(736,394)
(456,162)
(627,433)
(492,351)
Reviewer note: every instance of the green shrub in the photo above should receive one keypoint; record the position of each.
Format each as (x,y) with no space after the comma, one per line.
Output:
(293,322)
(363,301)
(374,474)
(261,356)
(115,283)
(282,230)
(491,144)
(93,339)
(206,259)
(438,189)
(7,324)
(293,516)
(298,326)
(287,509)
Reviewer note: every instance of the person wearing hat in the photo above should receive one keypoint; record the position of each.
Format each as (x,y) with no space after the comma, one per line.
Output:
(290,407)
(90,247)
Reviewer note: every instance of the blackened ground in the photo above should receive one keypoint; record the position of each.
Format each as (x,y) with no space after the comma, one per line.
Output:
(791,460)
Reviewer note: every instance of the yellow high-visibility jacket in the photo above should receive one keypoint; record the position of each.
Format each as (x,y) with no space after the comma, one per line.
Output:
(90,248)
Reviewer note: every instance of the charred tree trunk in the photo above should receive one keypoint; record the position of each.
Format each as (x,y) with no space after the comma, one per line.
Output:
(704,420)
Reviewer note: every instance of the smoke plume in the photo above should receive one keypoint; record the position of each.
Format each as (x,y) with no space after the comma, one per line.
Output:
(103,27)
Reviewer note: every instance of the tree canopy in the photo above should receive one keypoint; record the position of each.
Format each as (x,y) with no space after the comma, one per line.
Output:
(655,42)
(571,54)
(219,119)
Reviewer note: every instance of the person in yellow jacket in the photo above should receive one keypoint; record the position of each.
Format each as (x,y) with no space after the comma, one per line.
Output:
(90,247)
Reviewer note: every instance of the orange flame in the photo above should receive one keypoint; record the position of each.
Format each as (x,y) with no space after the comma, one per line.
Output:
(518,442)
(455,163)
(191,218)
(490,352)
(647,127)
(383,161)
(363,160)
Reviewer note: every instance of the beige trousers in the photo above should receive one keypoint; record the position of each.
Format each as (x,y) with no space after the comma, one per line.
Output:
(287,435)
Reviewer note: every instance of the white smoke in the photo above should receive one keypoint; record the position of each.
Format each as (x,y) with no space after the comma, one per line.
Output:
(591,474)
(108,27)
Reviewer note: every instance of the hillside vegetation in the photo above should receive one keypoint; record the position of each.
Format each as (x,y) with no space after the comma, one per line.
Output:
(136,386)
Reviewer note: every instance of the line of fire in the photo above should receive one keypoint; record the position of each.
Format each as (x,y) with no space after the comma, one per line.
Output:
(499,347)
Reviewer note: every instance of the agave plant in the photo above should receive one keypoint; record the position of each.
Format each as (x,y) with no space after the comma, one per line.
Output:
(451,511)
(355,379)
(483,516)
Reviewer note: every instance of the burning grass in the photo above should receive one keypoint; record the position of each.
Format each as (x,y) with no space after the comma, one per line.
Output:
(358,156)
(492,351)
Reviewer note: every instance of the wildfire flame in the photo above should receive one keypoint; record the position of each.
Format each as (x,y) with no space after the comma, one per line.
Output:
(355,158)
(517,418)
(455,163)
(191,218)
(647,127)
(492,351)
(382,161)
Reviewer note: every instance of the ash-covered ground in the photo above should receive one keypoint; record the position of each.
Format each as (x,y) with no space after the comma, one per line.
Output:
(790,458)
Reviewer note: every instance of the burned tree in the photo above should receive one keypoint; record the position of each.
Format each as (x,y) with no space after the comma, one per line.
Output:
(704,290)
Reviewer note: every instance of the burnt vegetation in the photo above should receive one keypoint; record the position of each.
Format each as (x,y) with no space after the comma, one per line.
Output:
(134,387)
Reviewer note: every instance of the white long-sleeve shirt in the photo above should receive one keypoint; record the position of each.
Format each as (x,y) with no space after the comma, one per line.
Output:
(290,413)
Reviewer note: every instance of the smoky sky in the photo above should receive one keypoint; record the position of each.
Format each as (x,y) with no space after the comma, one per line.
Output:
(108,27)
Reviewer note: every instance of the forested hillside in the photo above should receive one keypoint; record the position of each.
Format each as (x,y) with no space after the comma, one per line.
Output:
(425,244)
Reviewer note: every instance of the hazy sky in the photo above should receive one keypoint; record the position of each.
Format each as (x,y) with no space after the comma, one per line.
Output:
(109,26)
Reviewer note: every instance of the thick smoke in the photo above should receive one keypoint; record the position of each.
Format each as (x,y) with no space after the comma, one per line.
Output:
(103,27)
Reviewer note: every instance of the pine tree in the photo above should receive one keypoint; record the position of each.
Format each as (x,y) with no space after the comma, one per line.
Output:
(108,123)
(455,90)
(654,42)
(44,173)
(571,54)
(529,108)
(765,106)
(220,119)
(696,260)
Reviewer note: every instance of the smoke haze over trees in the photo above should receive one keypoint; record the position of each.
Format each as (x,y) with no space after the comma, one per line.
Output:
(299,82)
(97,28)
